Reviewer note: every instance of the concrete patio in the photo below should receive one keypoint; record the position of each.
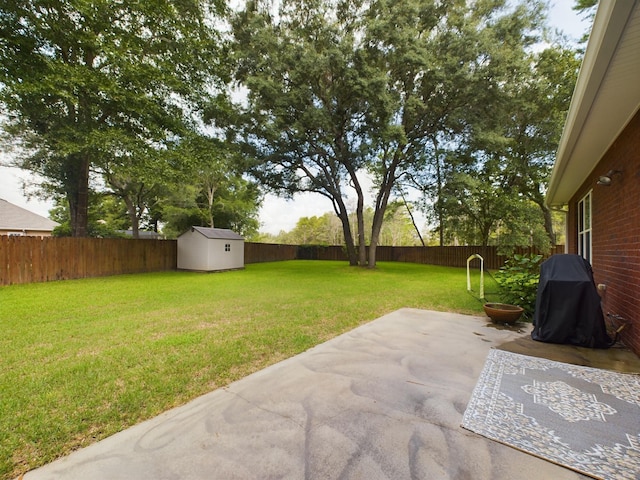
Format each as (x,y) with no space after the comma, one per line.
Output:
(383,401)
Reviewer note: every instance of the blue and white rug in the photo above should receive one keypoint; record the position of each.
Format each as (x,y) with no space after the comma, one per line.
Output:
(585,419)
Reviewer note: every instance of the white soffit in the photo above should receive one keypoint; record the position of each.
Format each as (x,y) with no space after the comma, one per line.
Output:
(606,97)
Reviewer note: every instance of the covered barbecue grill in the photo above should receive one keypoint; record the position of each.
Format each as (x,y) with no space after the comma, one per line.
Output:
(568,305)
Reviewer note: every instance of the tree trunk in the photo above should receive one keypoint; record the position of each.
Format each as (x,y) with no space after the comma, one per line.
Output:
(548,224)
(373,245)
(133,217)
(538,198)
(341,211)
(348,239)
(382,200)
(439,206)
(485,231)
(378,217)
(546,213)
(413,221)
(78,195)
(362,240)
(210,197)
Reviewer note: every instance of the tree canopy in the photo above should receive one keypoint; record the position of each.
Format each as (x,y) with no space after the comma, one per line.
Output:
(89,87)
(396,89)
(492,183)
(461,101)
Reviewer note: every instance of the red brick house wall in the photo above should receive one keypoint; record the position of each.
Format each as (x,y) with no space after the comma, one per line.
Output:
(616,230)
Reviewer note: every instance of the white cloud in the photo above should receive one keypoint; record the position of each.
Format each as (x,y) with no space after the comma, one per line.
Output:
(279,214)
(11,180)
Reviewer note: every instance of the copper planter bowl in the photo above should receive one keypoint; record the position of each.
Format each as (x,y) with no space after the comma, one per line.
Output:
(503,312)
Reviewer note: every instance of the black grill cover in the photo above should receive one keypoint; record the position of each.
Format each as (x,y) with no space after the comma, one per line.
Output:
(568,305)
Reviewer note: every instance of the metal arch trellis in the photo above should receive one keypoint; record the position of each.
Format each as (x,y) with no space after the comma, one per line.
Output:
(472,257)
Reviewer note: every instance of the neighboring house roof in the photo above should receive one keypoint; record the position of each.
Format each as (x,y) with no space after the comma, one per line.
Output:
(13,217)
(605,99)
(218,233)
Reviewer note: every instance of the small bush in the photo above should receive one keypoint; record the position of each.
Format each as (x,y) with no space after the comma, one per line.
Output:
(518,281)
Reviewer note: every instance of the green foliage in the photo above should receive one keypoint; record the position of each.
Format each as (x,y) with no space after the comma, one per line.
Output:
(90,83)
(486,185)
(311,99)
(518,281)
(215,194)
(453,98)
(448,94)
(107,218)
(480,209)
(398,228)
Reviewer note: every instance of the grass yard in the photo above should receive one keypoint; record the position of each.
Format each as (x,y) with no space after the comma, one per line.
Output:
(83,359)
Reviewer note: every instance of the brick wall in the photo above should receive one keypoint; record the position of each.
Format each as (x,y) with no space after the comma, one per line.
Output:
(616,230)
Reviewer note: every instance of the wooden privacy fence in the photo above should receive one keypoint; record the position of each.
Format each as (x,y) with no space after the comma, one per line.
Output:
(268,252)
(451,256)
(36,259)
(42,259)
(445,256)
(273,252)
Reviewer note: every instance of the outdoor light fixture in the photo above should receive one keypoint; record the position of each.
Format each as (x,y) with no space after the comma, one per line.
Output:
(605,180)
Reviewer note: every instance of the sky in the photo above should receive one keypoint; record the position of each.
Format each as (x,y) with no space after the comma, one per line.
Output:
(276,213)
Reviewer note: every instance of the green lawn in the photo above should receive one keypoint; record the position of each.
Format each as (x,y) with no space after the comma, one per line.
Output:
(83,359)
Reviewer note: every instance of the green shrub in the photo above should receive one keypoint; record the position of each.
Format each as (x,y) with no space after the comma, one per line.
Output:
(518,281)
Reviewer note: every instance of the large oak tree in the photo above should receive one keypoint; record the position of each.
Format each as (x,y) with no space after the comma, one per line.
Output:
(87,83)
(339,88)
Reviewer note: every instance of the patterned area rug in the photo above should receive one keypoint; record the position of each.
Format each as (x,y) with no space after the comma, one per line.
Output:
(585,419)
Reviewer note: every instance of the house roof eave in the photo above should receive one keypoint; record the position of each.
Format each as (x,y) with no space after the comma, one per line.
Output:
(607,88)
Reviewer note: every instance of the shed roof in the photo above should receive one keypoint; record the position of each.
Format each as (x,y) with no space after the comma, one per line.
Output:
(13,217)
(218,233)
(605,99)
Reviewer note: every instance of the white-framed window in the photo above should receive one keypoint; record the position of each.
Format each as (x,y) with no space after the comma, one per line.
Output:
(227,247)
(584,227)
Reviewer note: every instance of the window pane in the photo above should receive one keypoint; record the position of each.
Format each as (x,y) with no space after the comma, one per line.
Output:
(581,216)
(587,212)
(587,247)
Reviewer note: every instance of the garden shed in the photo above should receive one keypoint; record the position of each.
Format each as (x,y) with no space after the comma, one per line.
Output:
(210,250)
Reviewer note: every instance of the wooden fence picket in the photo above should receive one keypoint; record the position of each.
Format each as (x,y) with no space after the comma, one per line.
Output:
(44,259)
